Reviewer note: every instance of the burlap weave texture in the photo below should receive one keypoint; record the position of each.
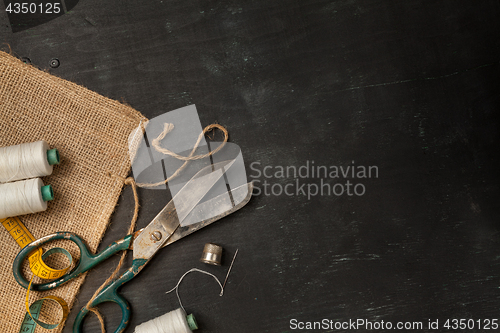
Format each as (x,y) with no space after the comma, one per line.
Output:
(91,133)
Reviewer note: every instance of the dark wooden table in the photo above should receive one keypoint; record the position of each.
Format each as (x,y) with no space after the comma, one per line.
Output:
(409,87)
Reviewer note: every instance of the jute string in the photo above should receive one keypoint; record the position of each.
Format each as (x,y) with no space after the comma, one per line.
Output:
(167,128)
(130,181)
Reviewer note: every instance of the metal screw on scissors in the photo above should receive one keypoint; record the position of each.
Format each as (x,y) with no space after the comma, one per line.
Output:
(163,230)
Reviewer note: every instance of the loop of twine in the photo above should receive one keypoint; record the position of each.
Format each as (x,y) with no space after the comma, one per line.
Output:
(167,129)
(130,181)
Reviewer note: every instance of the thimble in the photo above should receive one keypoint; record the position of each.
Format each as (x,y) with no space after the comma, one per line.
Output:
(212,254)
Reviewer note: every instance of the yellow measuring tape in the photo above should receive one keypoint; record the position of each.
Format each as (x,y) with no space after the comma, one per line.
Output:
(39,268)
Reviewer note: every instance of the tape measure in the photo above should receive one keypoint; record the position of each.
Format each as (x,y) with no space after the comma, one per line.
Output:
(39,268)
(23,237)
(31,318)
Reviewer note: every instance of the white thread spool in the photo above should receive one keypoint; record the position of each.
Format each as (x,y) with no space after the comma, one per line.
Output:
(24,197)
(172,322)
(27,160)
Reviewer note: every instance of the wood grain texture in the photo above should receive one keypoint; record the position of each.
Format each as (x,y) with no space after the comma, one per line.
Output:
(408,86)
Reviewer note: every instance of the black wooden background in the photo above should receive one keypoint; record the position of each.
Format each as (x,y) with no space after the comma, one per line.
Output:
(408,86)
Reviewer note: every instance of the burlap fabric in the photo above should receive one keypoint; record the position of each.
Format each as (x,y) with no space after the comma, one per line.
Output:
(91,133)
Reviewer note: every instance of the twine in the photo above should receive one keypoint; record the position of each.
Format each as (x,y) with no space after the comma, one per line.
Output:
(127,181)
(130,181)
(167,128)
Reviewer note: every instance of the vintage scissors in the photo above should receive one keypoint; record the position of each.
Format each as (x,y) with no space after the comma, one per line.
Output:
(163,230)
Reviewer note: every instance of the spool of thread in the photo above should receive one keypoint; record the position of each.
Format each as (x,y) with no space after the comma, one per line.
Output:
(172,322)
(27,160)
(24,197)
(212,254)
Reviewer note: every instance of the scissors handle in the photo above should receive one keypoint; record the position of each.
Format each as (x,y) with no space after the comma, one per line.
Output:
(86,262)
(110,294)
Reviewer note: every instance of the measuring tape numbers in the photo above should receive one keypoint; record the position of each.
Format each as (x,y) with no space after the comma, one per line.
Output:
(23,237)
(39,268)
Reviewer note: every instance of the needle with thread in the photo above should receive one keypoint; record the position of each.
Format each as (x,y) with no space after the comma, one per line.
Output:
(228,271)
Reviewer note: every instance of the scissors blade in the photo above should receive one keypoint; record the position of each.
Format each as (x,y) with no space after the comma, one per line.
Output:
(192,193)
(168,220)
(220,205)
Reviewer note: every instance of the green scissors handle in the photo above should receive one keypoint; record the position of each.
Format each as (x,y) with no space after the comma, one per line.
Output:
(109,294)
(86,262)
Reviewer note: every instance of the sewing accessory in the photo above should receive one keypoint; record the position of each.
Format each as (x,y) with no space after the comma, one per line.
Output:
(27,324)
(176,288)
(229,270)
(31,318)
(212,254)
(23,237)
(222,286)
(172,322)
(24,197)
(39,268)
(163,230)
(27,160)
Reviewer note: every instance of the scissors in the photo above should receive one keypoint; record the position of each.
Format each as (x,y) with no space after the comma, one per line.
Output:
(163,230)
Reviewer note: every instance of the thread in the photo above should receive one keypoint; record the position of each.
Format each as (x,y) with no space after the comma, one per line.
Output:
(172,322)
(24,197)
(176,288)
(27,160)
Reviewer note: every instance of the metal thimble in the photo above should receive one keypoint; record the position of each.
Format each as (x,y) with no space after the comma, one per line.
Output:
(212,254)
